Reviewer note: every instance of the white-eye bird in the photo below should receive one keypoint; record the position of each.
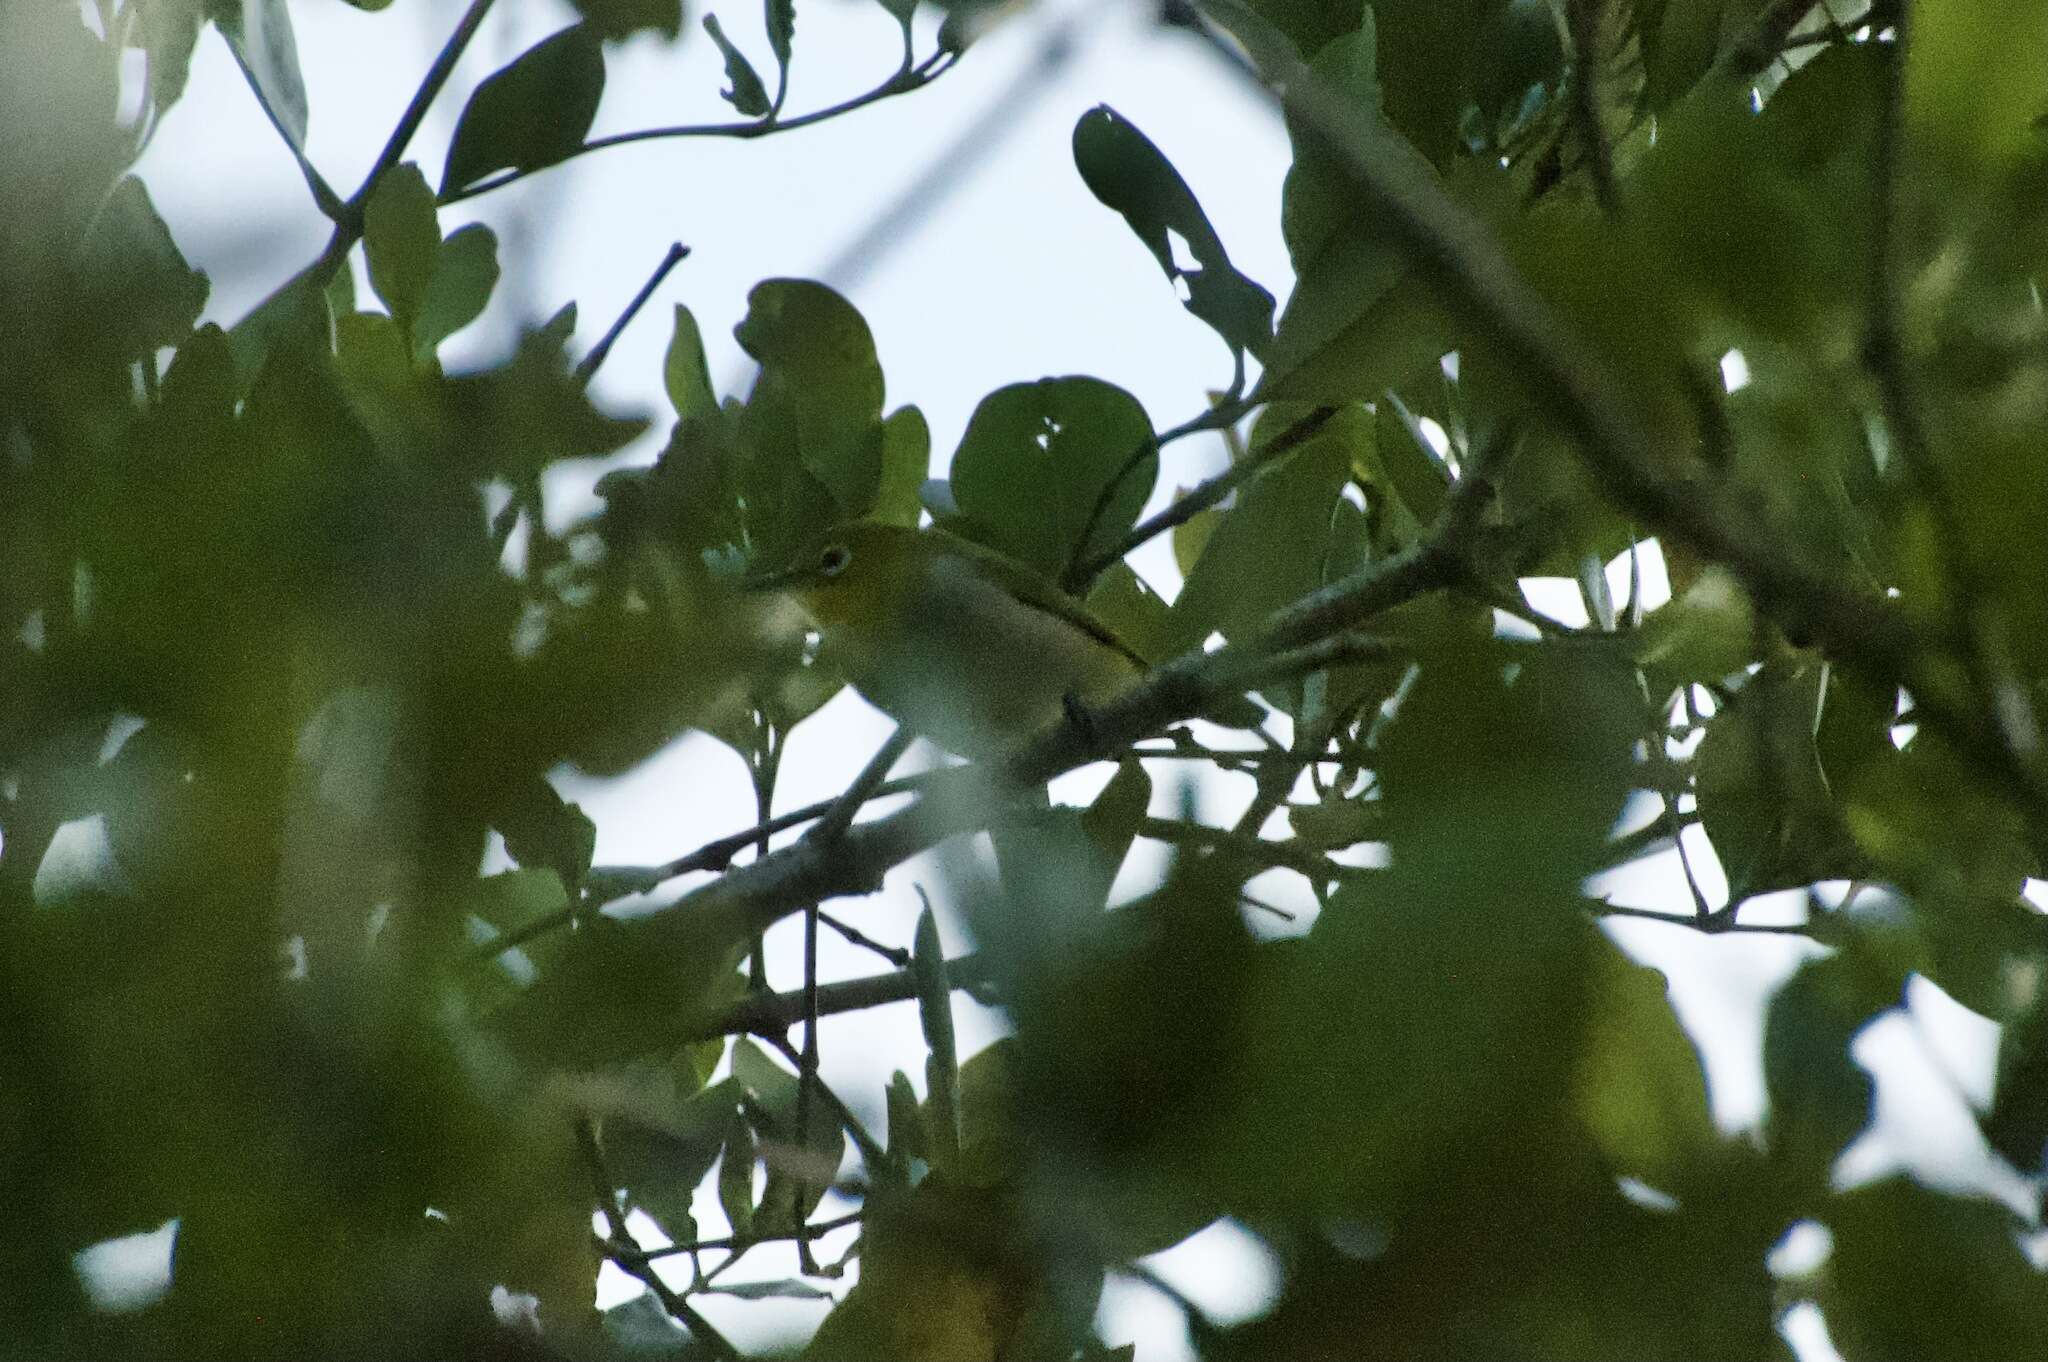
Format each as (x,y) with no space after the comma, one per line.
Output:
(954,641)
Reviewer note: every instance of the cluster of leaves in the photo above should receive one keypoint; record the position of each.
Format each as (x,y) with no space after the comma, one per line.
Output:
(257,624)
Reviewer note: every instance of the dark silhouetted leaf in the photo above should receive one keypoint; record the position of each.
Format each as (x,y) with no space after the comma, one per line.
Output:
(532,113)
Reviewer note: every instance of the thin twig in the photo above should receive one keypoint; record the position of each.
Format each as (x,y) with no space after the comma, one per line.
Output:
(871,778)
(870,1148)
(771,1014)
(1297,639)
(1465,259)
(588,366)
(895,226)
(634,1261)
(854,936)
(717,854)
(807,1077)
(1764,40)
(827,830)
(416,109)
(1210,492)
(1712,926)
(324,197)
(1240,842)
(900,82)
(741,1242)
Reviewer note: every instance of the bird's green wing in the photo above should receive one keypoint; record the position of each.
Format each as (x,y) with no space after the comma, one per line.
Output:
(1040,593)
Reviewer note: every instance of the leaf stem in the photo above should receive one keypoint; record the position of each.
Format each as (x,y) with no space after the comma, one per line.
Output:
(899,82)
(324,197)
(1212,491)
(416,109)
(635,1262)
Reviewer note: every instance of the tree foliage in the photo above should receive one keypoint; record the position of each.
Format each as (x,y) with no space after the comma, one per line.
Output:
(258,627)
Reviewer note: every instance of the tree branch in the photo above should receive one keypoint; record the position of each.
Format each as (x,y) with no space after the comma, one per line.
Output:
(1621,447)
(588,366)
(771,1014)
(416,110)
(605,1187)
(324,197)
(899,82)
(1305,637)
(1201,498)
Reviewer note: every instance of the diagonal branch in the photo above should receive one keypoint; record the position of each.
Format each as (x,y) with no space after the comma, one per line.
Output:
(1306,637)
(1632,459)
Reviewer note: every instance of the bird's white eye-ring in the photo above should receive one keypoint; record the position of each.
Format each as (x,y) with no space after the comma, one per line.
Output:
(834,559)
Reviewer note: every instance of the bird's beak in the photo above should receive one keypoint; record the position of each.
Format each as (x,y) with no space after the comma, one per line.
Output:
(777,580)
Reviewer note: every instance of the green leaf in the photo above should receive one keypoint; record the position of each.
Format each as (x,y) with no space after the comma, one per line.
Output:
(1412,466)
(1418,42)
(541,828)
(906,1132)
(1111,822)
(816,408)
(789,1288)
(616,20)
(1360,320)
(517,418)
(773,1091)
(1680,40)
(465,272)
(341,292)
(1034,463)
(530,114)
(1820,1098)
(746,92)
(992,1134)
(902,11)
(135,279)
(906,459)
(1271,547)
(2017,1124)
(1124,170)
(1976,81)
(260,32)
(611,994)
(640,1328)
(779,17)
(512,899)
(1315,201)
(736,1174)
(684,371)
(1917,1273)
(1763,798)
(660,1146)
(291,320)
(768,1084)
(1400,1040)
(401,239)
(170,33)
(1134,612)
(935,1015)
(1639,1085)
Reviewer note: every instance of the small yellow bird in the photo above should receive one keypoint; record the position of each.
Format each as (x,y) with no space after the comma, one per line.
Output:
(954,641)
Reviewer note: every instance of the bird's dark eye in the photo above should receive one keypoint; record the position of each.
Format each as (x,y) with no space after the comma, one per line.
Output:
(834,559)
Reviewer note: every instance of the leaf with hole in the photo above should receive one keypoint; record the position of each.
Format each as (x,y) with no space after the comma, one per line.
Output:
(1124,170)
(1038,458)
